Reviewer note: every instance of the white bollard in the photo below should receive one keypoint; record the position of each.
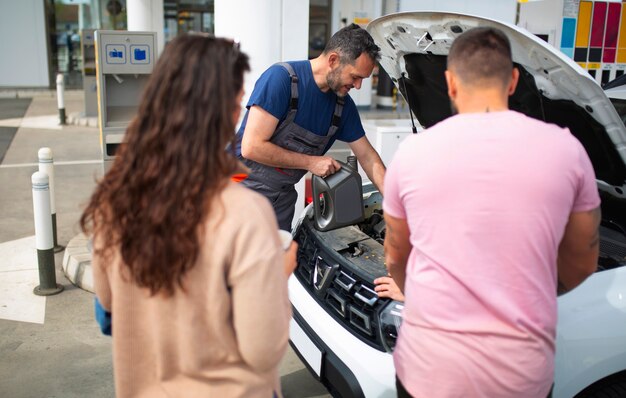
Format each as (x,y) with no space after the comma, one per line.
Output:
(43,236)
(61,97)
(46,165)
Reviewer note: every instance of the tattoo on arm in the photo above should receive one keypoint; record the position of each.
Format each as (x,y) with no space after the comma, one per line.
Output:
(595,240)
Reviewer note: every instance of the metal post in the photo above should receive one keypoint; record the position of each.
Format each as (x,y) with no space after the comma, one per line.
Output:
(46,165)
(43,236)
(61,97)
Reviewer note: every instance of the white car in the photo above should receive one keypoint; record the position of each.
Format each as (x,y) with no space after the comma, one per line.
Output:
(341,329)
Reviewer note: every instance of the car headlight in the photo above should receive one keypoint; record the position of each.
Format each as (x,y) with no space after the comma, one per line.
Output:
(390,321)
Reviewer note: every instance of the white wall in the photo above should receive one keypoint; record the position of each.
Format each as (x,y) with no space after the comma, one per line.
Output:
(347,8)
(23,49)
(501,10)
(542,17)
(269,31)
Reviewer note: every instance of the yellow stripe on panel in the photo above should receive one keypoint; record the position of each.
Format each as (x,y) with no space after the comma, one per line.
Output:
(584,24)
(621,43)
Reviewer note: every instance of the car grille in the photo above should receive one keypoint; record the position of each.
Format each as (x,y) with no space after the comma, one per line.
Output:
(612,243)
(343,294)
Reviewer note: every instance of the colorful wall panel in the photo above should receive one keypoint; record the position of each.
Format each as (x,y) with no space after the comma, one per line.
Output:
(594,35)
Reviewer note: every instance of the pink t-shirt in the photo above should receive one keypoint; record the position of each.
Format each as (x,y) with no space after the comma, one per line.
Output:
(487,197)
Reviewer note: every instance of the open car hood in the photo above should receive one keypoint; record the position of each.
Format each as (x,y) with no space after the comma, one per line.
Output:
(552,87)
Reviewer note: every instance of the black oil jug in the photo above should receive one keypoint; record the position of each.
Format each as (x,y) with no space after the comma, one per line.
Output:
(338,198)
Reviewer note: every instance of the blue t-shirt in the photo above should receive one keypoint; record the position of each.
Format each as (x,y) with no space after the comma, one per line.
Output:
(272,92)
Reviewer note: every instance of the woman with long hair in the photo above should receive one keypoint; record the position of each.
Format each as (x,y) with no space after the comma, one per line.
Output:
(189,263)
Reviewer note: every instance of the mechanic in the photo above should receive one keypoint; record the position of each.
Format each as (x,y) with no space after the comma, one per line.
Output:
(295,113)
(489,213)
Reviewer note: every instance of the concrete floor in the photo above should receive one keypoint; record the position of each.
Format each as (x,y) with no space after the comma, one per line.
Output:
(52,346)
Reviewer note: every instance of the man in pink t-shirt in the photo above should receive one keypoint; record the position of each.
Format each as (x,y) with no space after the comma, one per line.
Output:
(487,213)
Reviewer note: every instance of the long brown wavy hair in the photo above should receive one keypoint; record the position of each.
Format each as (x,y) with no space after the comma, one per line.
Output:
(175,158)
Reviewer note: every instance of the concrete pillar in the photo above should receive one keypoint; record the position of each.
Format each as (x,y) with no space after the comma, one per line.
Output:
(269,31)
(146,16)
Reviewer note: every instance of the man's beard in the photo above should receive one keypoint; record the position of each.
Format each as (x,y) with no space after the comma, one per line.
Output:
(333,79)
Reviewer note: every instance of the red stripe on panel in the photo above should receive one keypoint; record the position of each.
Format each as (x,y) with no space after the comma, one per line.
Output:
(608,56)
(597,25)
(612,25)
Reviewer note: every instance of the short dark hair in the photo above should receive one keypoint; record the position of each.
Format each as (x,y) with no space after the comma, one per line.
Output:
(350,42)
(481,55)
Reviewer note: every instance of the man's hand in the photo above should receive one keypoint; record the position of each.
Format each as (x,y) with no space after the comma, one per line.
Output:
(289,259)
(386,287)
(323,166)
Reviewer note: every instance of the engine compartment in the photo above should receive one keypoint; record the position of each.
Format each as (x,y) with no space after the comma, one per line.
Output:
(338,269)
(362,244)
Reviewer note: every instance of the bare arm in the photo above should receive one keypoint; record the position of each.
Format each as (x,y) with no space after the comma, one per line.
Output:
(579,249)
(290,258)
(256,146)
(370,162)
(397,248)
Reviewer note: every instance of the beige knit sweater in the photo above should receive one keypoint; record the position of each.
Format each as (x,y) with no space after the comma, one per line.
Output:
(226,334)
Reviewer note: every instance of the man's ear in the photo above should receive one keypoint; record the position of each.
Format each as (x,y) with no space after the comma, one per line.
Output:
(451,81)
(333,60)
(514,81)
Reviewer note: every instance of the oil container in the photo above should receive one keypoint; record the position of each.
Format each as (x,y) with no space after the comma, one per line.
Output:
(338,198)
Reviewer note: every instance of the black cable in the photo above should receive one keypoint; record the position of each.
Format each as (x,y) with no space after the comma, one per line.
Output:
(543,112)
(406,94)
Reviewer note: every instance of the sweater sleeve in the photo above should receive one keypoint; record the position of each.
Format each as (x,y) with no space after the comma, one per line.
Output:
(101,283)
(261,310)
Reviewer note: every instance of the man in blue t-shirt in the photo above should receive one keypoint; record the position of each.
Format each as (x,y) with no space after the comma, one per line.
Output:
(295,113)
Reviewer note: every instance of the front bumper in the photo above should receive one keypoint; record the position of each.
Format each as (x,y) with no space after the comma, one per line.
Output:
(342,362)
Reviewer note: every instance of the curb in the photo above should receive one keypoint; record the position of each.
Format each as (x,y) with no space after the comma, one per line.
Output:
(79,119)
(31,92)
(77,262)
(73,119)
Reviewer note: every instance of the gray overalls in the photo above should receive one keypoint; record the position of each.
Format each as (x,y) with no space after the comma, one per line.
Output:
(278,184)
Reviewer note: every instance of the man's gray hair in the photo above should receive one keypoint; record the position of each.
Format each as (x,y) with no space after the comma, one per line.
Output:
(350,42)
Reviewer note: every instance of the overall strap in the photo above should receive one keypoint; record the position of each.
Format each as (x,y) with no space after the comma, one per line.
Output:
(336,120)
(293,102)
